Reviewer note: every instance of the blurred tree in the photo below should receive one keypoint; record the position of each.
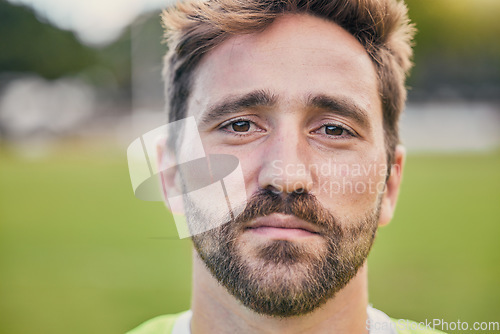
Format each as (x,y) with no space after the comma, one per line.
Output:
(457,47)
(30,45)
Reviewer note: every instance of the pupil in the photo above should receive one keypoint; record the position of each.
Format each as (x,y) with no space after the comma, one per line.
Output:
(333,130)
(241,126)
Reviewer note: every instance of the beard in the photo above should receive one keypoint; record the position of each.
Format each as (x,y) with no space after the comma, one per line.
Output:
(284,278)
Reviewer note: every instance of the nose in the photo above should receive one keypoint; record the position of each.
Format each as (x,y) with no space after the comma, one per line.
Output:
(285,167)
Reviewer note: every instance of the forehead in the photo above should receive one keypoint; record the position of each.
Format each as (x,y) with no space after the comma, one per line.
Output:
(296,57)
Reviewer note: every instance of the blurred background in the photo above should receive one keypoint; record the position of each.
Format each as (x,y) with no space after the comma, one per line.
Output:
(80,80)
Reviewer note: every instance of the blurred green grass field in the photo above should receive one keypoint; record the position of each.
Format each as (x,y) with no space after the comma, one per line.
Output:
(79,254)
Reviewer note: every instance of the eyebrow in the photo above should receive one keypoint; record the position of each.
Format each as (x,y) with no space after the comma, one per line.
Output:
(232,105)
(341,106)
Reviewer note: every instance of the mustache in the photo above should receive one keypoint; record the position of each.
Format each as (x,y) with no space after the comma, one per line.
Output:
(302,205)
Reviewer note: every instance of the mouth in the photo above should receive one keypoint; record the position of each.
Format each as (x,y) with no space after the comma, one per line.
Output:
(278,226)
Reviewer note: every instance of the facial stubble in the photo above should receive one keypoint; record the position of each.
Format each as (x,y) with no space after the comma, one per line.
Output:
(285,278)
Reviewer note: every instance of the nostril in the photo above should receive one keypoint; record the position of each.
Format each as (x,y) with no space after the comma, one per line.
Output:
(299,191)
(274,189)
(277,190)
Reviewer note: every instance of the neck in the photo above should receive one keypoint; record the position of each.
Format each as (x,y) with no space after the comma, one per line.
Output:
(216,311)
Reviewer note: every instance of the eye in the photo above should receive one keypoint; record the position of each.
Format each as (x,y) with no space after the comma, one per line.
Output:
(240,126)
(333,130)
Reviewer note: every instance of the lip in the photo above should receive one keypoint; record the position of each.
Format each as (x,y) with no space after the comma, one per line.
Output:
(282,227)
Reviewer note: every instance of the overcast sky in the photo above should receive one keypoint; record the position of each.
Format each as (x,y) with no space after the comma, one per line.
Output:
(95,22)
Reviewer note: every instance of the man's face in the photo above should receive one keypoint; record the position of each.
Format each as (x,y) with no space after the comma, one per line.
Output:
(298,105)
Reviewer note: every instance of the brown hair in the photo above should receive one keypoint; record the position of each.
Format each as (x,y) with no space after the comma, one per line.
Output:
(194,27)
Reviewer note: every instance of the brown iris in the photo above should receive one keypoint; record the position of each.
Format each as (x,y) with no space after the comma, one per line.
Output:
(241,126)
(333,130)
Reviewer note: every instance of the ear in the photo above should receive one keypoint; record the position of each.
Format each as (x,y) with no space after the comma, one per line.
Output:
(168,174)
(391,193)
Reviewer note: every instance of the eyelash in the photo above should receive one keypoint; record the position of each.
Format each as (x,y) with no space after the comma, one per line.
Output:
(225,125)
(347,130)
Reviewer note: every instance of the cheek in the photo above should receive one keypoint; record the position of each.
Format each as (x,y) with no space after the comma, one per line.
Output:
(250,163)
(352,183)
